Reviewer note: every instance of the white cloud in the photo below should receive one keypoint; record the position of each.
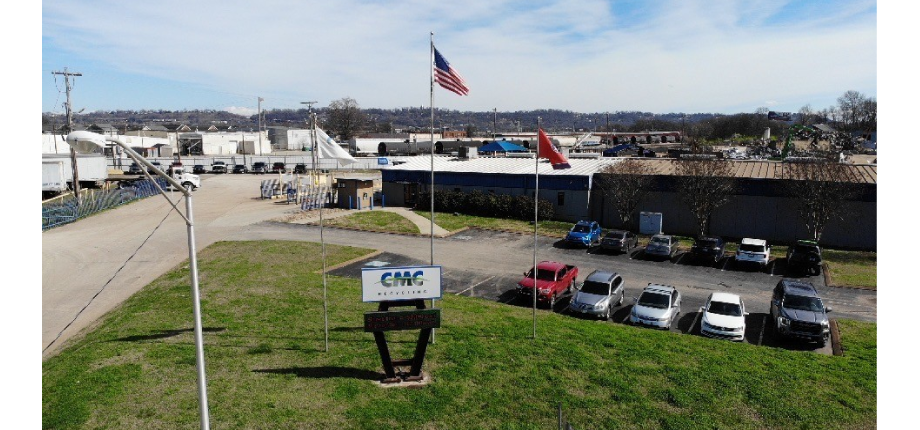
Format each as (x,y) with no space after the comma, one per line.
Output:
(578,55)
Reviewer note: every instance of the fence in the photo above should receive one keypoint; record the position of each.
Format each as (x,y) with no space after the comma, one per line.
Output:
(66,211)
(307,195)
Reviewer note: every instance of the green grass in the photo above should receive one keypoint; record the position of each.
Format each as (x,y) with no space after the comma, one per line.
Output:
(851,268)
(454,222)
(266,365)
(374,221)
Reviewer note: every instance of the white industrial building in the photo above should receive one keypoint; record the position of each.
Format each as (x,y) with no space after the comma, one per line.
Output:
(225,143)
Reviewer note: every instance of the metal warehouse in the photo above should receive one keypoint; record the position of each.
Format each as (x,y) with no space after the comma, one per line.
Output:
(568,189)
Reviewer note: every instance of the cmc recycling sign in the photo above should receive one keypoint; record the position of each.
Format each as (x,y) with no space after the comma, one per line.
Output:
(400,283)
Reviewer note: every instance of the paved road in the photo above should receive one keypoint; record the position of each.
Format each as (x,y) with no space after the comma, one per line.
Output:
(84,264)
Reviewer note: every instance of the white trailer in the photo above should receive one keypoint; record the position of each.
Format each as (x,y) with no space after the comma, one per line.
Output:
(53,179)
(92,169)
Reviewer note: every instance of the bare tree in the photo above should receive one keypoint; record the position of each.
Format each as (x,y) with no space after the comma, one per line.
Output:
(704,185)
(808,116)
(821,188)
(625,183)
(849,104)
(345,117)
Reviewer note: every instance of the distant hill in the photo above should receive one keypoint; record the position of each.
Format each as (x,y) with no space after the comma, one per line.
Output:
(409,118)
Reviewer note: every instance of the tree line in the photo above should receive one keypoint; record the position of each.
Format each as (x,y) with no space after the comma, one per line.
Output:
(346,119)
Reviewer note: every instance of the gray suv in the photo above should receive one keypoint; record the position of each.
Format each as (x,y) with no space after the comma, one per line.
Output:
(598,294)
(798,312)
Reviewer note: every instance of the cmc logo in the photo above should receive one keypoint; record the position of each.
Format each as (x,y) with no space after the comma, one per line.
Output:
(402,279)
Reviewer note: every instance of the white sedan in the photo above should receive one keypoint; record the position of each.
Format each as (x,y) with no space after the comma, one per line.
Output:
(723,317)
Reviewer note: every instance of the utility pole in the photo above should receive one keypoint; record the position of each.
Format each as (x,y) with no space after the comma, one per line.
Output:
(313,135)
(73,153)
(494,122)
(260,124)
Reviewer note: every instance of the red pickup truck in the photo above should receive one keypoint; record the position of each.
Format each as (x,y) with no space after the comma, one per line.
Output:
(553,280)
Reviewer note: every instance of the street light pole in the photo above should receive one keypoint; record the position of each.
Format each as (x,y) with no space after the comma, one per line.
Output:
(85,141)
(260,124)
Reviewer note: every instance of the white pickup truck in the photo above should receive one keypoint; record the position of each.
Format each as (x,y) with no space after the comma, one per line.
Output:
(187,180)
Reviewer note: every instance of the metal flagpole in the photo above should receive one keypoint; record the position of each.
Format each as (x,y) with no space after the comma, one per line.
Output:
(321,240)
(431,135)
(536,200)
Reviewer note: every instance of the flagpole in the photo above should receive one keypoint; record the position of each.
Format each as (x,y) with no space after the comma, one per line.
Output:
(431,134)
(536,199)
(321,238)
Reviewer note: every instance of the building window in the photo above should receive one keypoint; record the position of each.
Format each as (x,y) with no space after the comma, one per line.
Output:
(560,198)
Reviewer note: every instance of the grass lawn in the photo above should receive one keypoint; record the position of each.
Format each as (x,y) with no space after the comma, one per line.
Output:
(452,222)
(374,220)
(266,366)
(851,268)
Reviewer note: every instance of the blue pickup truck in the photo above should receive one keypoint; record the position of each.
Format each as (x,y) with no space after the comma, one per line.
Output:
(584,233)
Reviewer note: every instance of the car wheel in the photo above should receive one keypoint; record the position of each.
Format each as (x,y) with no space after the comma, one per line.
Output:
(552,301)
(607,314)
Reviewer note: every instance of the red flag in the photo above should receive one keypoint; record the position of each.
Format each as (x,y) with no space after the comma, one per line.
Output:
(549,151)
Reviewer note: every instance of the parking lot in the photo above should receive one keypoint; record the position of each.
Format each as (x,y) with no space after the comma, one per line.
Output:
(694,281)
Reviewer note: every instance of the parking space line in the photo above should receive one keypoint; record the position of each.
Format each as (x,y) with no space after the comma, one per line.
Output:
(695,320)
(476,285)
(763,328)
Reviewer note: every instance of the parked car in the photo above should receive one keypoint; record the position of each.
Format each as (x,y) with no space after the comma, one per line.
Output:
(240,168)
(657,306)
(218,167)
(619,240)
(259,167)
(753,252)
(723,317)
(584,233)
(135,169)
(804,256)
(598,295)
(798,312)
(553,280)
(300,169)
(198,169)
(158,166)
(709,248)
(661,245)
(279,167)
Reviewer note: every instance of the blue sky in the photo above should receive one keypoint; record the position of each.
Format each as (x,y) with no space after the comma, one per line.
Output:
(579,55)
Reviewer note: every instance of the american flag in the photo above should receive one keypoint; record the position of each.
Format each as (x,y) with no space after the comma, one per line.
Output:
(447,77)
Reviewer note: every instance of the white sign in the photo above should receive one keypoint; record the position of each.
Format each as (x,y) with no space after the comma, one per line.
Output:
(400,283)
(650,222)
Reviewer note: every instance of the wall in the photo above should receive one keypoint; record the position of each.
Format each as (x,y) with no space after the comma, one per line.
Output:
(765,211)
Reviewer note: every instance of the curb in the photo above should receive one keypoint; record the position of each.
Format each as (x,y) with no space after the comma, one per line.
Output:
(353,260)
(835,339)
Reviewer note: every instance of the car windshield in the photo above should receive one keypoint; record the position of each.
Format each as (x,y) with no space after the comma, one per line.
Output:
(751,248)
(654,300)
(707,242)
(660,240)
(581,229)
(543,275)
(722,308)
(592,287)
(804,303)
